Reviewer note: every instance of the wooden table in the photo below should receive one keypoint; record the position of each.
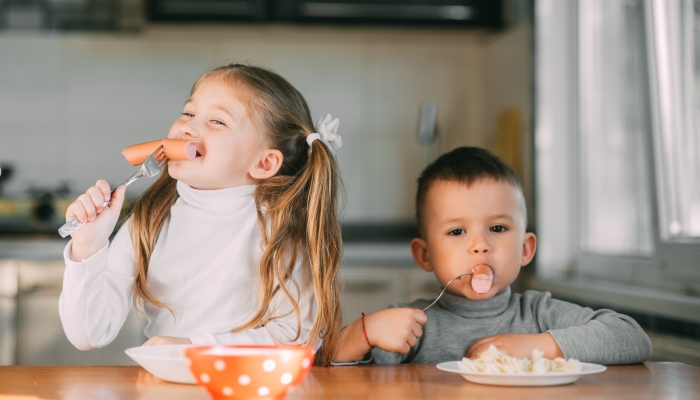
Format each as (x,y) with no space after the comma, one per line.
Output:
(645,381)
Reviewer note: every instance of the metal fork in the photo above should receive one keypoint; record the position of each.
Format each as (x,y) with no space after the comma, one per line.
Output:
(448,284)
(152,166)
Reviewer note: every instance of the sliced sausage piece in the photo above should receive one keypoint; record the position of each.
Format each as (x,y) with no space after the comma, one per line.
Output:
(175,149)
(482,278)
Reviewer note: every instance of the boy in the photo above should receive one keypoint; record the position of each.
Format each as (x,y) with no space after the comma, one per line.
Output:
(471,212)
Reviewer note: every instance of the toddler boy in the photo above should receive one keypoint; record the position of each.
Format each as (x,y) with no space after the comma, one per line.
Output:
(471,213)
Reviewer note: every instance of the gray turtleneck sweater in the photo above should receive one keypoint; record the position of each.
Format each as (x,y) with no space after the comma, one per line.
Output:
(455,323)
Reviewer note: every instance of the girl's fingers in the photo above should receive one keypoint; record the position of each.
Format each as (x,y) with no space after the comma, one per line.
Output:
(77,211)
(97,198)
(105,189)
(86,201)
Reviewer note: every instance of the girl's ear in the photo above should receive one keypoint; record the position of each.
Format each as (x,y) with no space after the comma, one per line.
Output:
(529,248)
(419,248)
(267,165)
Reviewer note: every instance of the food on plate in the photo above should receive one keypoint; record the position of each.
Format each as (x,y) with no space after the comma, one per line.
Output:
(175,149)
(482,278)
(494,361)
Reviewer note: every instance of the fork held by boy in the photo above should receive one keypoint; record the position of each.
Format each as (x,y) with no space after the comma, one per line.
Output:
(152,166)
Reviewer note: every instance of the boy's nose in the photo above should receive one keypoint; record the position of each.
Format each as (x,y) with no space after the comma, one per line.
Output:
(479,246)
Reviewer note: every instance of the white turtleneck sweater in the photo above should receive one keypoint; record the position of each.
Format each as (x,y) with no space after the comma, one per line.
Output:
(205,266)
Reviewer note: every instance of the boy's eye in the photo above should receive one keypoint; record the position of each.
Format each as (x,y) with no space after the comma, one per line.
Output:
(457,232)
(186,114)
(498,228)
(217,122)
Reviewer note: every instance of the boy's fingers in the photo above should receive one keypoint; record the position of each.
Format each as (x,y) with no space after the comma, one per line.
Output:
(420,316)
(417,331)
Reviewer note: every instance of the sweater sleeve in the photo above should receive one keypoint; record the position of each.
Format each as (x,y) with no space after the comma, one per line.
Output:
(282,329)
(97,293)
(602,336)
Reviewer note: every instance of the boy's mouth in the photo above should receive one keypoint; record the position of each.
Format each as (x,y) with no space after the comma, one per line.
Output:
(482,278)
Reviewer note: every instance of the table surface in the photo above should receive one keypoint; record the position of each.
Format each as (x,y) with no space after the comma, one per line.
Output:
(418,381)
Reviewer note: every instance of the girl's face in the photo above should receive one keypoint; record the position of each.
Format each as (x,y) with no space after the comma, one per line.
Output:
(229,144)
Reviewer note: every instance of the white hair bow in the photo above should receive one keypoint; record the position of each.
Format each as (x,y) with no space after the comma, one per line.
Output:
(326,129)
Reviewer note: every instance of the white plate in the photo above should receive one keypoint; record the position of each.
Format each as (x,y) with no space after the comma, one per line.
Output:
(522,378)
(165,362)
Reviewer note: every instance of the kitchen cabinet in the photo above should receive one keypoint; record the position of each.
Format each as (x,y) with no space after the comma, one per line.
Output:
(31,278)
(372,288)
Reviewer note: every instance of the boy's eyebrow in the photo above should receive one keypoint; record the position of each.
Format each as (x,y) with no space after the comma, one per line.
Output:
(507,216)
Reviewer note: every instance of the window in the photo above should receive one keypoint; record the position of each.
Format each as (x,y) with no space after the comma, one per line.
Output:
(618,141)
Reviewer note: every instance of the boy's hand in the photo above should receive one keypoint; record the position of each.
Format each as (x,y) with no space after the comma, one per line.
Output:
(94,235)
(395,329)
(517,345)
(162,340)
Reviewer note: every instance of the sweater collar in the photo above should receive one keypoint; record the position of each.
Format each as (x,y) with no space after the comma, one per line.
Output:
(228,200)
(464,307)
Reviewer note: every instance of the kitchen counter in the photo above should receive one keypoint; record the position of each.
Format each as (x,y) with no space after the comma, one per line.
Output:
(378,253)
(421,381)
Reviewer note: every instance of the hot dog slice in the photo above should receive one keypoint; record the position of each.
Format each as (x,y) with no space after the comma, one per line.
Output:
(482,278)
(175,149)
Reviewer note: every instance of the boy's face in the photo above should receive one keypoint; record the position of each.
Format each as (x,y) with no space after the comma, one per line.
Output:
(469,226)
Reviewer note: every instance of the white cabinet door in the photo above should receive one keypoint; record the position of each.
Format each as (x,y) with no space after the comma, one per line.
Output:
(369,289)
(40,338)
(422,285)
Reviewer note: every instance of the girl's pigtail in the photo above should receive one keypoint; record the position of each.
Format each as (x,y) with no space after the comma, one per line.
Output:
(150,211)
(325,246)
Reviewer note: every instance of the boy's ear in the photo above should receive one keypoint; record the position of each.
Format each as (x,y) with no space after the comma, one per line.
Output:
(529,248)
(267,165)
(419,248)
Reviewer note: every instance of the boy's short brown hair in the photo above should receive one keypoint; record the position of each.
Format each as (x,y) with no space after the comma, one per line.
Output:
(465,165)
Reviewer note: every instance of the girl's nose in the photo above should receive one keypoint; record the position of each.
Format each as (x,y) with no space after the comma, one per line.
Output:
(189,130)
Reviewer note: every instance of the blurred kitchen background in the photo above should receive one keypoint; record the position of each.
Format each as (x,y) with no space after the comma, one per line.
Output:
(595,103)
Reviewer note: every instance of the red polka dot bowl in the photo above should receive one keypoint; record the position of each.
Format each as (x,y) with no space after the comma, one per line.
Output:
(249,371)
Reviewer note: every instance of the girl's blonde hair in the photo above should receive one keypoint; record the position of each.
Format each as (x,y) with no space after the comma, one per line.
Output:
(298,210)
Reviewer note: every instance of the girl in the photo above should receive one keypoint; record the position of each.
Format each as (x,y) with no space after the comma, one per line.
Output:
(241,245)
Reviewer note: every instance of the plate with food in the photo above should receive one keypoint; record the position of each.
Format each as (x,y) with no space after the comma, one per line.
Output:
(496,368)
(166,362)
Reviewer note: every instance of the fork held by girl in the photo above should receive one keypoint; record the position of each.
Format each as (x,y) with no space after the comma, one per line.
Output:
(240,245)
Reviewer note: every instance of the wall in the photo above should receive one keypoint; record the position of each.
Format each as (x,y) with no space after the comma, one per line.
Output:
(71,102)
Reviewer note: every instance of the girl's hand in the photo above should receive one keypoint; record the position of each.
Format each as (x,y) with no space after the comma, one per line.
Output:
(94,235)
(517,345)
(162,340)
(395,329)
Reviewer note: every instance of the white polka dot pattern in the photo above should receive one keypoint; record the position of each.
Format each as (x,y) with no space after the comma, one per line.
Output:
(204,377)
(286,379)
(269,365)
(263,391)
(305,362)
(244,380)
(227,391)
(220,365)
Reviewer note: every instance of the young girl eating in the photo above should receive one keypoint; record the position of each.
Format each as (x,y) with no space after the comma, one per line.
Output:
(240,245)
